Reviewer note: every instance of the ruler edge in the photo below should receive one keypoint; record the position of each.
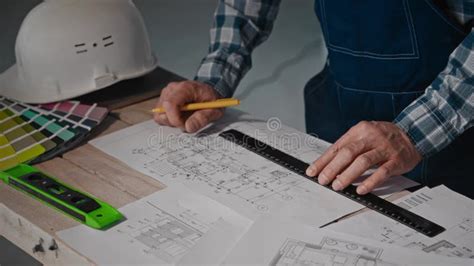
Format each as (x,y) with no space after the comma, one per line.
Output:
(342,193)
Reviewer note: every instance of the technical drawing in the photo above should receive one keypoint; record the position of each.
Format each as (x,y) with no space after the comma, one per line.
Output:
(409,238)
(167,227)
(225,168)
(414,201)
(330,252)
(165,236)
(456,241)
(226,172)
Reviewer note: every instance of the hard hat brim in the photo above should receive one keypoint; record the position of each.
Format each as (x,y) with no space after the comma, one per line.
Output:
(10,81)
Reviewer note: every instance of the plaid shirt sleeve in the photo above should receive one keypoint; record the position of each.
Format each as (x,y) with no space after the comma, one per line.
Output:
(446,109)
(239,27)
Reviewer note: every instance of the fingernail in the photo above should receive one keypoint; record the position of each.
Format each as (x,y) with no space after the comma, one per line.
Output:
(361,190)
(336,185)
(192,127)
(311,171)
(322,179)
(160,116)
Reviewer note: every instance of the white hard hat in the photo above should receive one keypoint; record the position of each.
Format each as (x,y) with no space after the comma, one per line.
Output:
(66,48)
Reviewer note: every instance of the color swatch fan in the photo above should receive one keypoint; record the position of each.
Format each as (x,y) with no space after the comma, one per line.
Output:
(34,134)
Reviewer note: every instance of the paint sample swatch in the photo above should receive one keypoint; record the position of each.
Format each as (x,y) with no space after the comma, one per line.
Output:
(89,115)
(8,153)
(35,133)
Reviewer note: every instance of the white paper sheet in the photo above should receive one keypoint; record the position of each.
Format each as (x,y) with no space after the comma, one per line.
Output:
(161,229)
(234,176)
(274,241)
(441,205)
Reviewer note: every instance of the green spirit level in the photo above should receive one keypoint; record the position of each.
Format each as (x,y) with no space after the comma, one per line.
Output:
(81,207)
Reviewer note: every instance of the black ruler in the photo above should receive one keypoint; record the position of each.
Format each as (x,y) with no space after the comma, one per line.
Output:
(369,200)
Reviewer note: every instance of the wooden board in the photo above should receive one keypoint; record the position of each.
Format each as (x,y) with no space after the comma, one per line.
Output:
(110,124)
(112,172)
(36,241)
(136,113)
(27,222)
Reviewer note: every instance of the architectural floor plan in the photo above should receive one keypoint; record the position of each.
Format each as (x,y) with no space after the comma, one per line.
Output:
(228,173)
(162,228)
(331,251)
(457,217)
(165,236)
(221,170)
(278,242)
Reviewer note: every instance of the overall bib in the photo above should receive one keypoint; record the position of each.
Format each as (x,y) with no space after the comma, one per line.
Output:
(382,56)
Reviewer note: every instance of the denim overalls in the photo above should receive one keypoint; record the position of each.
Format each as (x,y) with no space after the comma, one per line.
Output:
(383,54)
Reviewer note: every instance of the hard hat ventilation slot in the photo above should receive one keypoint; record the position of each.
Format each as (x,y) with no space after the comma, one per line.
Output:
(80,46)
(109,39)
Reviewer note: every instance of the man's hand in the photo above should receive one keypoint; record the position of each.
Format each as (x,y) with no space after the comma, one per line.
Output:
(365,145)
(176,95)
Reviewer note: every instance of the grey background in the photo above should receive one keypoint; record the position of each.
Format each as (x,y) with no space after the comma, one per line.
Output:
(179,29)
(179,35)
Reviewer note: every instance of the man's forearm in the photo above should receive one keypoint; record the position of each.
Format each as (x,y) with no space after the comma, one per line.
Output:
(446,109)
(239,27)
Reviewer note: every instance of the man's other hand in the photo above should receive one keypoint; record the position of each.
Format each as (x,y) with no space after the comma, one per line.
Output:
(178,94)
(367,144)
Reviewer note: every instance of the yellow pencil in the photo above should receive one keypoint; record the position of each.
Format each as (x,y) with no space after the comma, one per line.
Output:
(221,103)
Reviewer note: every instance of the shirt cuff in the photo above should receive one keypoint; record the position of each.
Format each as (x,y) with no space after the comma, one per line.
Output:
(427,125)
(223,72)
(217,84)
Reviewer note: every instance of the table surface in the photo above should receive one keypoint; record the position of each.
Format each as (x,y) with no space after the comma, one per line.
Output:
(33,226)
(87,169)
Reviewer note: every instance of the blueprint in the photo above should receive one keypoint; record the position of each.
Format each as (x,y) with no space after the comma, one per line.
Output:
(162,228)
(275,241)
(228,173)
(450,210)
(331,251)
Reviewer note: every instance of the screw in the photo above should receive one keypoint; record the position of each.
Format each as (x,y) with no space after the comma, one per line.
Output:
(53,246)
(39,247)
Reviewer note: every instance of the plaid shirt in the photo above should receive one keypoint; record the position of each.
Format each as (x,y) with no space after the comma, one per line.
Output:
(434,120)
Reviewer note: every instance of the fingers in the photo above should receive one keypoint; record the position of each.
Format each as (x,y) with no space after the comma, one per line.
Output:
(322,161)
(378,177)
(176,95)
(173,113)
(200,119)
(318,165)
(344,158)
(382,143)
(171,99)
(360,165)
(161,119)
